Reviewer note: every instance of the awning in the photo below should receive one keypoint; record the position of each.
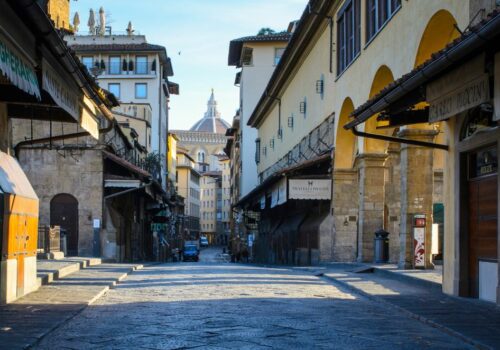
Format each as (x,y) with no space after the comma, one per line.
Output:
(112,183)
(410,88)
(17,69)
(291,224)
(258,191)
(13,180)
(126,164)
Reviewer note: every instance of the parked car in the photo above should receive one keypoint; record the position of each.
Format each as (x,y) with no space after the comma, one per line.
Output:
(203,241)
(190,253)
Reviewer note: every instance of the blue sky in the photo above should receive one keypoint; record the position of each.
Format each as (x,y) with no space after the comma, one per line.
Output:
(200,30)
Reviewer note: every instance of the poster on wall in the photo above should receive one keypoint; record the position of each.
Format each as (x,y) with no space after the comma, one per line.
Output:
(419,246)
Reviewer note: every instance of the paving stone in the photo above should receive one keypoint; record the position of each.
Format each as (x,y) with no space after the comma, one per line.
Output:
(229,306)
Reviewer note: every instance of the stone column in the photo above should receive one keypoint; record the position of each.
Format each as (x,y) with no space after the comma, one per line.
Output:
(371,167)
(345,212)
(393,199)
(416,192)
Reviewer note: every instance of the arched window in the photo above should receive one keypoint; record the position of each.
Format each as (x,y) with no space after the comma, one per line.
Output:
(201,157)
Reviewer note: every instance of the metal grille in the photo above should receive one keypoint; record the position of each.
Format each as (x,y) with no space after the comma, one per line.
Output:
(317,142)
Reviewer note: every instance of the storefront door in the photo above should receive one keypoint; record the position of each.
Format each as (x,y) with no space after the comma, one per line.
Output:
(64,213)
(483,218)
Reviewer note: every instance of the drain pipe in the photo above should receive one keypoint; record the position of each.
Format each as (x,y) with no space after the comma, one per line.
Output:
(398,139)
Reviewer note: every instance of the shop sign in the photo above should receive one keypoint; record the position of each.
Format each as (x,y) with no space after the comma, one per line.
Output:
(60,91)
(20,74)
(463,88)
(318,189)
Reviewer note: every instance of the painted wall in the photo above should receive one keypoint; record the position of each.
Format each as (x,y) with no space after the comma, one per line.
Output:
(254,79)
(356,81)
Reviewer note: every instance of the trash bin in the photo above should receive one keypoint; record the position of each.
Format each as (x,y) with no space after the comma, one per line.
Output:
(381,246)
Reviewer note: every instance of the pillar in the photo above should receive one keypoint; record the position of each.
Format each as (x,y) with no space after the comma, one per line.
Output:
(371,170)
(345,211)
(4,129)
(416,193)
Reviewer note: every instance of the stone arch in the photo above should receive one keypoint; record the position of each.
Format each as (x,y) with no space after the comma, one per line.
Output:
(382,78)
(345,140)
(440,31)
(64,213)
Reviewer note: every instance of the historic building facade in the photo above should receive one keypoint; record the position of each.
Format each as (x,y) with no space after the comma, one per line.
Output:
(205,143)
(348,184)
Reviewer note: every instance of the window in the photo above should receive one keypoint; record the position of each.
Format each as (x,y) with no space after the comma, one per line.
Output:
(141,65)
(114,88)
(348,34)
(278,52)
(378,12)
(114,65)
(257,151)
(141,90)
(88,62)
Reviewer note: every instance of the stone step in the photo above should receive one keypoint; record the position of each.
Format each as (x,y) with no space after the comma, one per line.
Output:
(50,270)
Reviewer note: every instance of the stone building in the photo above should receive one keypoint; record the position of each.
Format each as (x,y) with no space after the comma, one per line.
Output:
(385,172)
(205,143)
(34,69)
(137,73)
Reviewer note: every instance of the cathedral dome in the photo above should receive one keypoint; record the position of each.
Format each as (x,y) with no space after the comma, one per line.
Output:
(211,121)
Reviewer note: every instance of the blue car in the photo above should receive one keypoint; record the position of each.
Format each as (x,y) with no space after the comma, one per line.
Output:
(190,253)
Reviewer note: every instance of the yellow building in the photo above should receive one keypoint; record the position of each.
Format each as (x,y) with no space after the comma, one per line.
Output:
(372,181)
(188,187)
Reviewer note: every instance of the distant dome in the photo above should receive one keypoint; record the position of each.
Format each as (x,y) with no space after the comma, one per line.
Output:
(211,121)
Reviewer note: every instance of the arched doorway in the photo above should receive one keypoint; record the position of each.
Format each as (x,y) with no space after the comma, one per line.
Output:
(64,213)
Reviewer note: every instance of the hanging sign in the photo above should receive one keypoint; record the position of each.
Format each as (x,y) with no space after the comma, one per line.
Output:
(319,189)
(60,91)
(461,89)
(20,74)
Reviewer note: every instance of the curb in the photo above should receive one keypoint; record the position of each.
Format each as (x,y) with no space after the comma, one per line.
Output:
(105,289)
(415,316)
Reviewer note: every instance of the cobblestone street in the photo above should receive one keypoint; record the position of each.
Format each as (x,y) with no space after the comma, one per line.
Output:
(226,306)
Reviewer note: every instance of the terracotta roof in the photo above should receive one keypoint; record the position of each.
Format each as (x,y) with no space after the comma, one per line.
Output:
(236,45)
(439,61)
(141,47)
(212,125)
(117,47)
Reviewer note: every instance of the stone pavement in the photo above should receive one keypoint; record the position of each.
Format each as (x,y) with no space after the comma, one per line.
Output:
(233,306)
(474,321)
(25,321)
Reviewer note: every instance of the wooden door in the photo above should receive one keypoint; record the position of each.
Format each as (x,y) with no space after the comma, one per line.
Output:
(483,218)
(64,213)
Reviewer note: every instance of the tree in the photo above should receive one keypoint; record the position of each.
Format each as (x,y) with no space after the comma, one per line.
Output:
(266,31)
